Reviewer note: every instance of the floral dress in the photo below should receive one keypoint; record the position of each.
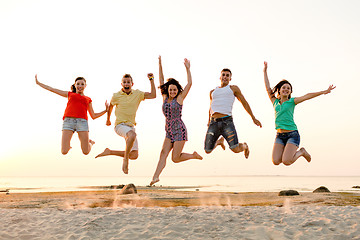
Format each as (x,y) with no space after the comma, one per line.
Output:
(174,127)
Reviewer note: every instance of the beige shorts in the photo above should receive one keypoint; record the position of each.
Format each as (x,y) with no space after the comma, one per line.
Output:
(122,129)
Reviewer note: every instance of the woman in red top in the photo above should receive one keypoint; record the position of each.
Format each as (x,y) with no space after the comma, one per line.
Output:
(75,116)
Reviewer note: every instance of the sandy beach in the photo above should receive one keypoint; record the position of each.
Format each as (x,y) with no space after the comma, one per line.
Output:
(163,213)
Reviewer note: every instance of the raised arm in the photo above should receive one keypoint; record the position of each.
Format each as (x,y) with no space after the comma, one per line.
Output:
(308,96)
(54,90)
(245,104)
(152,94)
(186,90)
(94,115)
(161,74)
(267,84)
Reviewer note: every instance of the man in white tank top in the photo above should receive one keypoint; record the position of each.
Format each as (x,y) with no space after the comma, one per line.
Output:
(220,116)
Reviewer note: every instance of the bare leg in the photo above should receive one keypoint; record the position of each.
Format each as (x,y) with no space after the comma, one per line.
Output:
(166,148)
(242,147)
(220,142)
(130,139)
(179,156)
(86,143)
(65,141)
(277,153)
(305,154)
(107,152)
(291,154)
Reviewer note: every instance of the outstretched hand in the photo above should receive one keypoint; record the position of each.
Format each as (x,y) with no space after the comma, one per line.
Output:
(331,87)
(107,106)
(257,122)
(265,66)
(187,63)
(36,80)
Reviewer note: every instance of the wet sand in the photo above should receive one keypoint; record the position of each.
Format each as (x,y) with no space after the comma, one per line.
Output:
(169,197)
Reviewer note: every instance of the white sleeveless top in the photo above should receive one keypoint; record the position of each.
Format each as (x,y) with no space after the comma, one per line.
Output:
(222,100)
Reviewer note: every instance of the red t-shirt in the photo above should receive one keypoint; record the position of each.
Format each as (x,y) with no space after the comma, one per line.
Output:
(77,106)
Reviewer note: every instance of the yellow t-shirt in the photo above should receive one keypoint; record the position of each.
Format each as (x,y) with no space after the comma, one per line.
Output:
(126,106)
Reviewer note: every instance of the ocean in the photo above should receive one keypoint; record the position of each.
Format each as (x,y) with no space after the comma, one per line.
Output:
(210,183)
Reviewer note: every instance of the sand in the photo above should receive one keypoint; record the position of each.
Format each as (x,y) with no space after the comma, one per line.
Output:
(161,213)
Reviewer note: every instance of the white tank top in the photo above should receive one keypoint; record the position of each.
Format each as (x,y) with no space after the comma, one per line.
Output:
(222,100)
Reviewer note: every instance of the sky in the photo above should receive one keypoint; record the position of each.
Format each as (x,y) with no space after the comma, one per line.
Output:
(310,43)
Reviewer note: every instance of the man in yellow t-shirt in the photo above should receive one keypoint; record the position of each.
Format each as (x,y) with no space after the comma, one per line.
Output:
(126,103)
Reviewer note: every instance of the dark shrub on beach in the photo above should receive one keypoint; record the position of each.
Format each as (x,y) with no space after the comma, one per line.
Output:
(288,193)
(356,187)
(128,189)
(321,189)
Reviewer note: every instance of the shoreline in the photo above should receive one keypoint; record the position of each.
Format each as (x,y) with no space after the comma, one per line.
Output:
(170,197)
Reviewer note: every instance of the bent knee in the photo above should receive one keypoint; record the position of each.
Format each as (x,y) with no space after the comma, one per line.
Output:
(175,159)
(64,152)
(86,150)
(207,151)
(131,134)
(277,161)
(287,162)
(133,155)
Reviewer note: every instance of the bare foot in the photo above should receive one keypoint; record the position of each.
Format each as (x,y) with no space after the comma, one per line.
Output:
(246,150)
(125,166)
(106,152)
(197,156)
(221,143)
(306,155)
(91,142)
(154,181)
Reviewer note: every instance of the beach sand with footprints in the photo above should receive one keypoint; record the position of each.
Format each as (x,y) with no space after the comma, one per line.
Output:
(170,213)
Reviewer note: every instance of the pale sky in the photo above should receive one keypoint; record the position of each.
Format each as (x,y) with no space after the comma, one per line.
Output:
(310,43)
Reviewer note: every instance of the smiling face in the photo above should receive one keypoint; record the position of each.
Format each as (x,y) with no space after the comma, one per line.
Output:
(225,78)
(285,90)
(80,86)
(126,83)
(173,90)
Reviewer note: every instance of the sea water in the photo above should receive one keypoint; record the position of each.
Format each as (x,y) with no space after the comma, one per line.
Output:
(210,183)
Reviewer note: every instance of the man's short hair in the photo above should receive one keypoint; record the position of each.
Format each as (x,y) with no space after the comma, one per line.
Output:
(127,76)
(227,70)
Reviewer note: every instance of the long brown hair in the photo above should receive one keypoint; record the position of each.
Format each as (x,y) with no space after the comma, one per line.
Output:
(276,89)
(165,87)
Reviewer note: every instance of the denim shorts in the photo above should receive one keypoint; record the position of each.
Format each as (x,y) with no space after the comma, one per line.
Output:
(221,127)
(76,124)
(288,137)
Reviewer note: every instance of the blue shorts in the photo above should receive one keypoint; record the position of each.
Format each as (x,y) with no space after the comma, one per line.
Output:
(221,127)
(75,124)
(288,137)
